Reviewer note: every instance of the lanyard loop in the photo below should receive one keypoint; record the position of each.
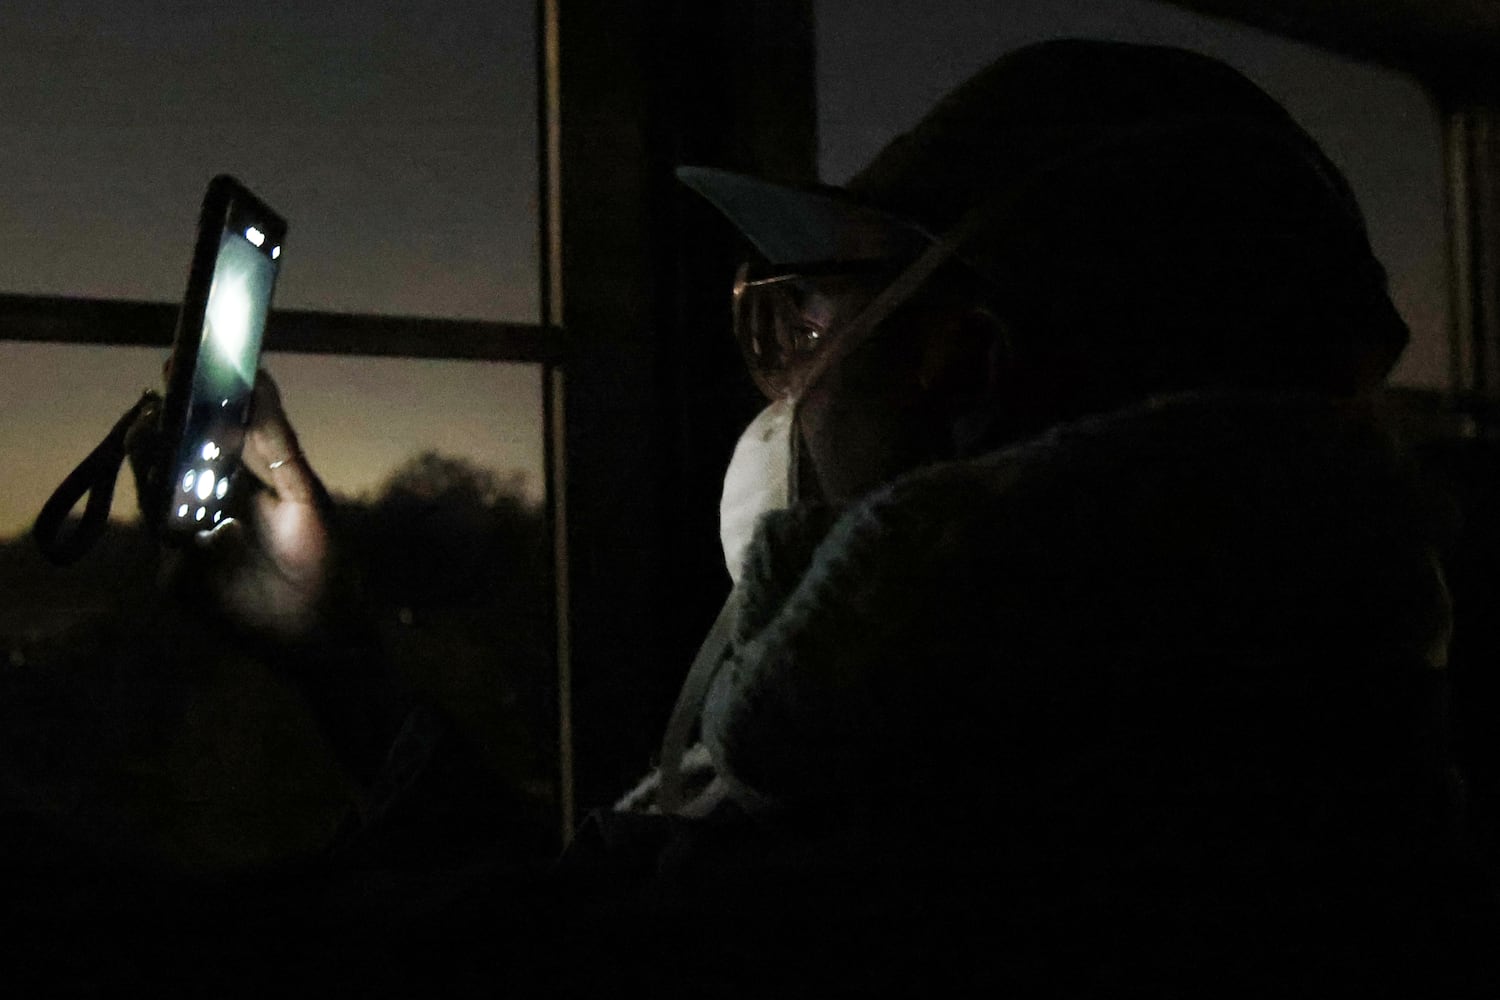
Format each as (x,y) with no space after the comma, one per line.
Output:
(94,476)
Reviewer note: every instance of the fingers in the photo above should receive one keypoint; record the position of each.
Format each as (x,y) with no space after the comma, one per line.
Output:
(295,536)
(142,451)
(271,451)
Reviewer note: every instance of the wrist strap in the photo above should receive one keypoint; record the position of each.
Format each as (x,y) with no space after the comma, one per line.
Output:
(95,476)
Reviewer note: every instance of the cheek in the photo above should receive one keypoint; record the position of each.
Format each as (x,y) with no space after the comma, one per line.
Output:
(856,441)
(820,428)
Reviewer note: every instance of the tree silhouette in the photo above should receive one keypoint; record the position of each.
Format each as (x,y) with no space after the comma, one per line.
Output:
(444,532)
(456,568)
(432,478)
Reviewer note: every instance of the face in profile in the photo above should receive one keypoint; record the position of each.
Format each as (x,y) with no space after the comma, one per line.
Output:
(869,417)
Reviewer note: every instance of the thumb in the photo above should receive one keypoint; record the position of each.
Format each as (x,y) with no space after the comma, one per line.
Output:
(272,453)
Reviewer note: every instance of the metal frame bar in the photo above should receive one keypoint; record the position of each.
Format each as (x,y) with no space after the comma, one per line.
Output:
(1470,160)
(122,323)
(554,387)
(1458,165)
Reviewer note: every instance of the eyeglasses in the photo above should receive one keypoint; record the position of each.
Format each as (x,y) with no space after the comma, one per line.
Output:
(784,313)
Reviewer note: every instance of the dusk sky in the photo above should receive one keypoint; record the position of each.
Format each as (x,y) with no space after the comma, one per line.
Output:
(399,141)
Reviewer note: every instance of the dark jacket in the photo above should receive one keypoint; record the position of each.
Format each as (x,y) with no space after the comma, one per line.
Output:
(1154,699)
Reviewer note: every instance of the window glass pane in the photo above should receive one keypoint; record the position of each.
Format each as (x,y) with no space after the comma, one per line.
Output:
(398,139)
(882,64)
(361,419)
(436,468)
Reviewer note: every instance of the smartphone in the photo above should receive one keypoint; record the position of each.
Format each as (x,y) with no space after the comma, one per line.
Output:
(215,355)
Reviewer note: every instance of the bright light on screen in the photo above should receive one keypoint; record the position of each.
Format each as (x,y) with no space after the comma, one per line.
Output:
(228,318)
(238,299)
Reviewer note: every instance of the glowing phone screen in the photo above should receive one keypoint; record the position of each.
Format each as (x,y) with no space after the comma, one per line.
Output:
(234,323)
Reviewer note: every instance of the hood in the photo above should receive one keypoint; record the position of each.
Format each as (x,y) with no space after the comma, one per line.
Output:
(1187,568)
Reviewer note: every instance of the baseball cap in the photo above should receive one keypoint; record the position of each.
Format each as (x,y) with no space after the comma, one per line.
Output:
(789,224)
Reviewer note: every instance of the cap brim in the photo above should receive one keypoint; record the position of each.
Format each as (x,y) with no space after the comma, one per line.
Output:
(798,225)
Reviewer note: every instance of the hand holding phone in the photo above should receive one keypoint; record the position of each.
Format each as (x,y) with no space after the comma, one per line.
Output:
(268,570)
(222,418)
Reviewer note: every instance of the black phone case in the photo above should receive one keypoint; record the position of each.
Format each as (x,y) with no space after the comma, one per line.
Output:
(225,200)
